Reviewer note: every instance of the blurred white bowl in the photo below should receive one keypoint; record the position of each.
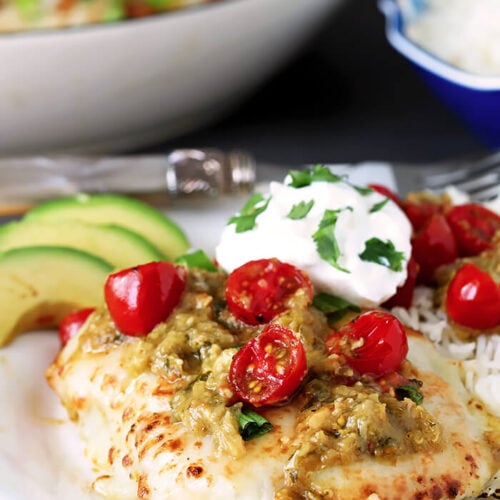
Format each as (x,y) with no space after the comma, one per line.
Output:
(120,86)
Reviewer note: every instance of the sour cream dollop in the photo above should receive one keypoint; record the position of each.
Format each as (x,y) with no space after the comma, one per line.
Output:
(354,243)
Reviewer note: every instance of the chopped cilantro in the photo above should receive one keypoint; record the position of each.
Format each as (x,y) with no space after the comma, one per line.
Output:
(332,306)
(300,210)
(326,242)
(379,206)
(245,220)
(318,173)
(411,392)
(252,425)
(363,191)
(197,258)
(383,253)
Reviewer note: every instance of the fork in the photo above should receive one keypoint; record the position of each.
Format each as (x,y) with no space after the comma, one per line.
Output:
(478,177)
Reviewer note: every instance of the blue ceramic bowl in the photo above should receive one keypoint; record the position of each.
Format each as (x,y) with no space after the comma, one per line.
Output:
(475,98)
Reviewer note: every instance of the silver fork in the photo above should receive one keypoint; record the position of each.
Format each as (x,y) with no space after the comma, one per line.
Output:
(479,177)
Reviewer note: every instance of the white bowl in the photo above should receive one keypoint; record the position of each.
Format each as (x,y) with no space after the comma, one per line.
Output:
(120,86)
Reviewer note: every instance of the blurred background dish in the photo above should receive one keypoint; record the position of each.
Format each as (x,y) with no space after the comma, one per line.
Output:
(24,15)
(464,75)
(118,86)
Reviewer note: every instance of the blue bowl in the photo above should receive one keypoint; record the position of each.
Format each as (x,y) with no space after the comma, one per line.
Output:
(475,98)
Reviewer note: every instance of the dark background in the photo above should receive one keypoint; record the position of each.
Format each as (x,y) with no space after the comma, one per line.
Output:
(347,97)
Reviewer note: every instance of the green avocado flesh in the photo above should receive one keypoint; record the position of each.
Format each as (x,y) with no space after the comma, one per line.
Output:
(133,214)
(39,285)
(119,246)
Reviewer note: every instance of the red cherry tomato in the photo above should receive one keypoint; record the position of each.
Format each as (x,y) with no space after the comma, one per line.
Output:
(404,294)
(385,191)
(433,246)
(384,343)
(473,226)
(420,213)
(260,289)
(72,322)
(473,298)
(269,368)
(140,297)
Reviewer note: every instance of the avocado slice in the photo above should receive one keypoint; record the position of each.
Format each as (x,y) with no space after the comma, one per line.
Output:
(119,246)
(134,214)
(39,285)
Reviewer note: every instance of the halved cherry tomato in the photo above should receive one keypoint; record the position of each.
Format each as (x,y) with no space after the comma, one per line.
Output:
(404,294)
(385,191)
(384,343)
(260,289)
(473,226)
(473,298)
(433,246)
(269,368)
(140,297)
(420,213)
(72,322)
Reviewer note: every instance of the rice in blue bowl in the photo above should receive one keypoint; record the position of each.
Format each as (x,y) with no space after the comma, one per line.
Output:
(469,85)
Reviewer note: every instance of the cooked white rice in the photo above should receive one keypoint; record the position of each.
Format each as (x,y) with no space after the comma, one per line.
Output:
(465,33)
(480,359)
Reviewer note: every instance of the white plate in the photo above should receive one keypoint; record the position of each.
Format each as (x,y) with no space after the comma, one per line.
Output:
(113,87)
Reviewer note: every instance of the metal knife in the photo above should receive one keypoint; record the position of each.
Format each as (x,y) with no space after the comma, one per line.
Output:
(25,181)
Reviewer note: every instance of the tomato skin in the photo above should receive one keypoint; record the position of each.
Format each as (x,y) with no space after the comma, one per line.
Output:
(269,368)
(473,298)
(473,226)
(259,290)
(433,246)
(420,213)
(404,294)
(385,191)
(385,344)
(72,322)
(138,298)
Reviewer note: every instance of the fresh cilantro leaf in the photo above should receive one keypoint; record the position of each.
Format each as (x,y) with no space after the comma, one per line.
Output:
(326,242)
(197,258)
(383,253)
(379,206)
(318,173)
(411,392)
(363,191)
(332,306)
(300,210)
(252,425)
(245,220)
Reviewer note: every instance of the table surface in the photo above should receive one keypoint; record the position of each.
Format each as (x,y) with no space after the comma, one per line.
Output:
(347,97)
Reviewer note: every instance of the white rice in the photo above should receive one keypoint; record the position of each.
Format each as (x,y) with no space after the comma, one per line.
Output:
(464,33)
(480,358)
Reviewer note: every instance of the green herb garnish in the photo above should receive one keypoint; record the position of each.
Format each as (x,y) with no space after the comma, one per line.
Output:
(324,237)
(245,220)
(383,253)
(300,210)
(379,206)
(362,190)
(197,258)
(411,392)
(252,425)
(318,173)
(332,306)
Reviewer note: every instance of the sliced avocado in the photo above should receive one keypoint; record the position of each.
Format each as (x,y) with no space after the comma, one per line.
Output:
(39,285)
(119,246)
(136,215)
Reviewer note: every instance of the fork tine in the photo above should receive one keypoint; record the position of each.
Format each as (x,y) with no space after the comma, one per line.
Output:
(486,194)
(465,172)
(474,184)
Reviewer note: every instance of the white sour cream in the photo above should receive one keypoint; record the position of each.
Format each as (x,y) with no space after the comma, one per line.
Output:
(365,283)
